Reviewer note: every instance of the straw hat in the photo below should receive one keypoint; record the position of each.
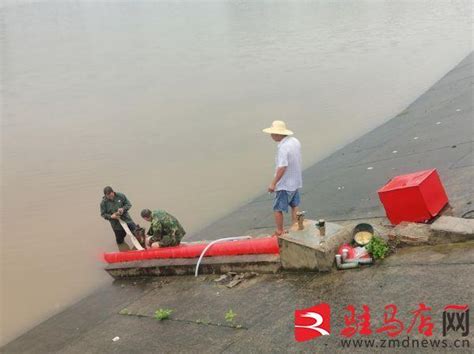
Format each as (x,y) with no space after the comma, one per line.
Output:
(278,127)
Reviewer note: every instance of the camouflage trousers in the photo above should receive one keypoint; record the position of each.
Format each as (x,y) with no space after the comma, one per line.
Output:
(166,240)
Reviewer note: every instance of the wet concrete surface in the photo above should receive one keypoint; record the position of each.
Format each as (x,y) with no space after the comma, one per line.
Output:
(265,305)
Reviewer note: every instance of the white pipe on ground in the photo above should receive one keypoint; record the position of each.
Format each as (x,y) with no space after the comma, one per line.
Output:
(213,243)
(130,234)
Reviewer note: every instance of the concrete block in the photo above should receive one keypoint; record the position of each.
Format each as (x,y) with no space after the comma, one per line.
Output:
(411,234)
(448,229)
(308,250)
(454,225)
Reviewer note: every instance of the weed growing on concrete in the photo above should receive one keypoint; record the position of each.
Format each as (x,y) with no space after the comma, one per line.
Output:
(163,314)
(230,315)
(124,312)
(378,247)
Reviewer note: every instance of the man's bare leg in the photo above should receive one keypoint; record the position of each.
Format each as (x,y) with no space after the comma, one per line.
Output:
(294,211)
(279,222)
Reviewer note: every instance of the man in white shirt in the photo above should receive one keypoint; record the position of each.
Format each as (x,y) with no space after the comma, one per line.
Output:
(287,179)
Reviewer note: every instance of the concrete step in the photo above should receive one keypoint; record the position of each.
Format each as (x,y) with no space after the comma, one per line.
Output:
(262,263)
(446,229)
(452,229)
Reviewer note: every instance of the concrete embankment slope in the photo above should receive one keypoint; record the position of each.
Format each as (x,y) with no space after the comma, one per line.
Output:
(435,131)
(265,304)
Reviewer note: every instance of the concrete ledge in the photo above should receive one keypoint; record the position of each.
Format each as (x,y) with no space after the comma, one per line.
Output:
(447,229)
(299,255)
(263,263)
(411,234)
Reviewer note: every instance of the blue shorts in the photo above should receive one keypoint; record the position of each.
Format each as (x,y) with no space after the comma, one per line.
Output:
(285,198)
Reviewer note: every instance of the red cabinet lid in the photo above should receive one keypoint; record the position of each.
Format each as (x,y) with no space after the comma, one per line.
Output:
(404,181)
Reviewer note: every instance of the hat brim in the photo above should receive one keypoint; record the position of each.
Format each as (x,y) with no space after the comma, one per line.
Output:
(272,130)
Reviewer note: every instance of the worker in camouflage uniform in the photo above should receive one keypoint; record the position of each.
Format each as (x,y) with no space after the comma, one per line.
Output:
(165,230)
(115,206)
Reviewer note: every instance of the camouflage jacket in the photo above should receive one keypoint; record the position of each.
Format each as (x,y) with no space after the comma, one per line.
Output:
(165,229)
(108,207)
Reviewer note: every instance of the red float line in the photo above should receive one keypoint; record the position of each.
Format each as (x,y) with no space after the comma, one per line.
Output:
(263,245)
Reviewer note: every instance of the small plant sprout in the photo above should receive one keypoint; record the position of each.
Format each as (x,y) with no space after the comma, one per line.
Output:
(124,312)
(163,314)
(230,315)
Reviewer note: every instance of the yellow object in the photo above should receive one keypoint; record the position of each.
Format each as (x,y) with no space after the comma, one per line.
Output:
(278,127)
(363,237)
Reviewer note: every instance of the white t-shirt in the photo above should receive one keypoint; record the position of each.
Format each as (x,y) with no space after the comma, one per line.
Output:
(289,155)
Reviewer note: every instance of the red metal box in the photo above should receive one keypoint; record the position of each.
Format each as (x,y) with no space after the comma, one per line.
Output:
(415,197)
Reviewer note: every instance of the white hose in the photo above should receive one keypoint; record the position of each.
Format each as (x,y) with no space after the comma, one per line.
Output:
(214,242)
(130,234)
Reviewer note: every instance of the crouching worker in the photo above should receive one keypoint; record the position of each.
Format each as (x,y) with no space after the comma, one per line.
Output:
(165,230)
